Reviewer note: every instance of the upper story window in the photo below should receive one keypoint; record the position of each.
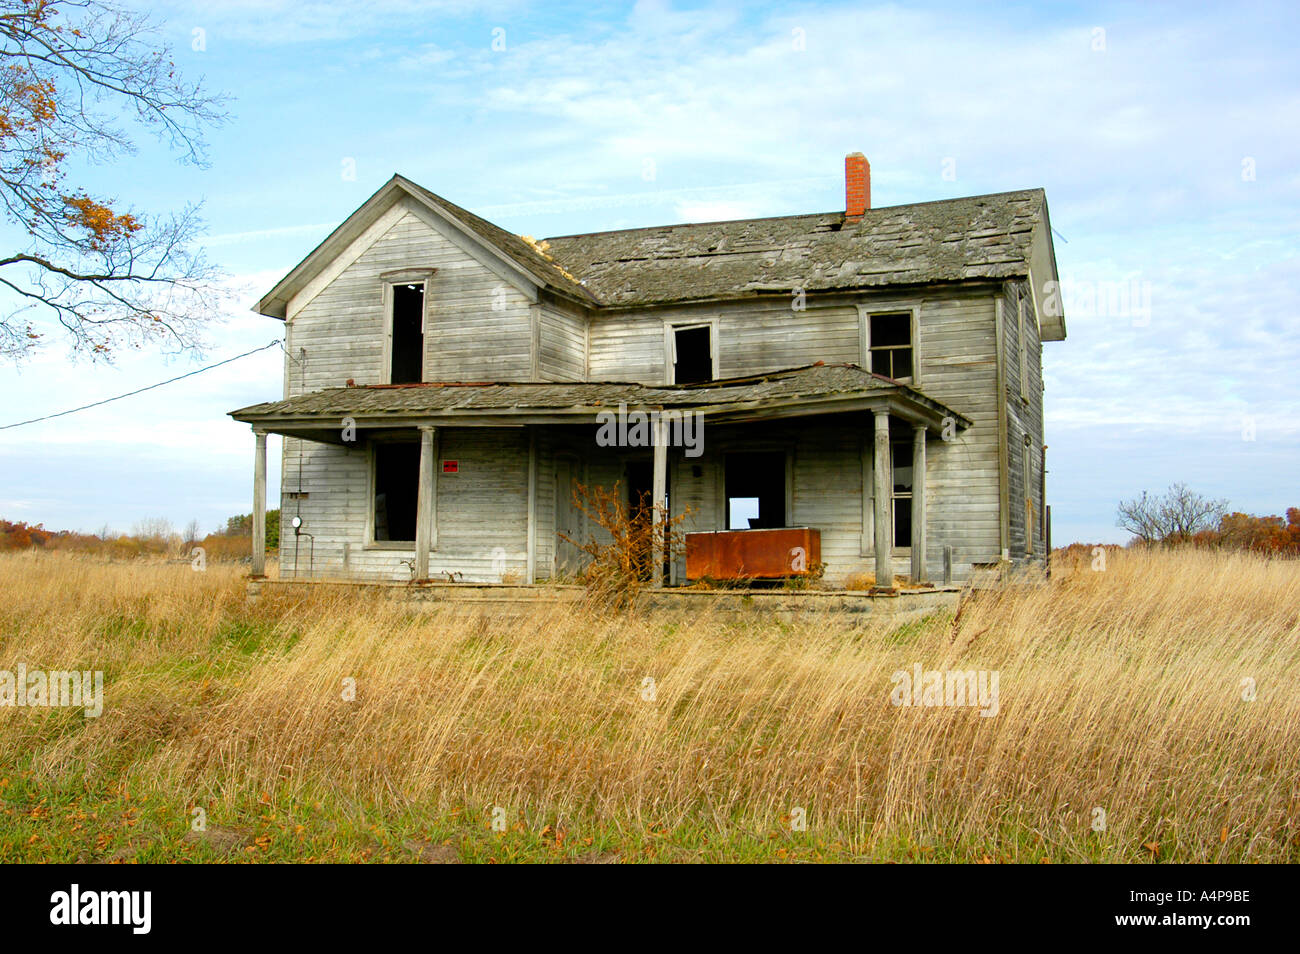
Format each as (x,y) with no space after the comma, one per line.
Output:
(406,335)
(692,353)
(889,344)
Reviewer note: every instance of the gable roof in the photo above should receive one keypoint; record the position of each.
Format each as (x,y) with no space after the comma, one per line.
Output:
(509,248)
(527,255)
(988,237)
(979,237)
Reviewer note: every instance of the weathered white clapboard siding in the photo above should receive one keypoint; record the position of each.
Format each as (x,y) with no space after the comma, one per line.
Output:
(958,366)
(561,344)
(1024,399)
(478,326)
(482,512)
(757,336)
(957,363)
(335,481)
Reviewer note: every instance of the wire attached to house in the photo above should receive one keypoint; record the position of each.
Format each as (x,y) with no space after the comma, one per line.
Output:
(181,377)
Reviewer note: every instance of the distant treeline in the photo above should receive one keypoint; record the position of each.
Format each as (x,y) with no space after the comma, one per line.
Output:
(154,537)
(1273,535)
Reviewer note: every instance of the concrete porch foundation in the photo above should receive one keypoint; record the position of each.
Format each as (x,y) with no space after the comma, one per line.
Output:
(900,606)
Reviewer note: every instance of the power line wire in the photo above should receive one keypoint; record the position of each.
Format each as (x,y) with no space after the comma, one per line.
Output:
(128,394)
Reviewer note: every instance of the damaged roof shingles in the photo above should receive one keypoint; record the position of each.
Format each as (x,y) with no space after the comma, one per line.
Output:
(812,381)
(980,237)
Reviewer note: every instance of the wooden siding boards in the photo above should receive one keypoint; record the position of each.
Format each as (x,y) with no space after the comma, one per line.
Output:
(477,328)
(958,366)
(477,325)
(562,344)
(482,327)
(1024,403)
(957,363)
(481,511)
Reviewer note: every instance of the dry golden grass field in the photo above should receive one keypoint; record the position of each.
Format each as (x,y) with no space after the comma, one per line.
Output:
(1147,713)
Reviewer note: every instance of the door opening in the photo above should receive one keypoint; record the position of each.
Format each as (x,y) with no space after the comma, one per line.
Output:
(755,490)
(408,334)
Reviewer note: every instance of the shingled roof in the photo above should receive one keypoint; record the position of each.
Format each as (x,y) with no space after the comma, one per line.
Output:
(544,270)
(978,237)
(812,382)
(986,236)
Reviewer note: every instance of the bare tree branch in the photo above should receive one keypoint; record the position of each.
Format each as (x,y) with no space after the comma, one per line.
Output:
(71,73)
(1174,517)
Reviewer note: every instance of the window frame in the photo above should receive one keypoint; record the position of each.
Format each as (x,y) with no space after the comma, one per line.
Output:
(867,451)
(674,325)
(867,312)
(740,445)
(370,543)
(786,452)
(404,276)
(895,495)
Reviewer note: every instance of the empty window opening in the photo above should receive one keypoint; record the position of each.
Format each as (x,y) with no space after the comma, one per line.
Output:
(408,334)
(891,345)
(692,355)
(902,493)
(755,490)
(397,488)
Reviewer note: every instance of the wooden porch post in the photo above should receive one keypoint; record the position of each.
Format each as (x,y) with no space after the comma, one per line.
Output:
(882,484)
(659,497)
(531,571)
(424,505)
(918,504)
(259,503)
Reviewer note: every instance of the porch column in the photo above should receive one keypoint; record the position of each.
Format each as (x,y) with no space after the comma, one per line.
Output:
(531,572)
(424,505)
(883,486)
(259,503)
(659,497)
(918,504)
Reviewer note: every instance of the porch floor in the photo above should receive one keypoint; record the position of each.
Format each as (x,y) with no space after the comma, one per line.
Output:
(901,605)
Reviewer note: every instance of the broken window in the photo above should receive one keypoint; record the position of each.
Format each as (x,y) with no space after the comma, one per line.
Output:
(692,354)
(901,453)
(755,489)
(890,345)
(407,344)
(397,488)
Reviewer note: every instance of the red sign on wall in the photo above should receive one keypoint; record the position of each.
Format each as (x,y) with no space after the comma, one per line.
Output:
(451,467)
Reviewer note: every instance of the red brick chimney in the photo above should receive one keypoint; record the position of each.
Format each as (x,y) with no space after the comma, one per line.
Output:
(857,185)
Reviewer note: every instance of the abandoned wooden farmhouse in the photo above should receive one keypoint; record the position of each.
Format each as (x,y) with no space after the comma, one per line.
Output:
(869,377)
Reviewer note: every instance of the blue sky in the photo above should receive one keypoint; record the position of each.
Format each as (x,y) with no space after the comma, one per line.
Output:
(1167,138)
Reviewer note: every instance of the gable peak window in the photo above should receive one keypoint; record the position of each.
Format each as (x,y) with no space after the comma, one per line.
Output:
(890,344)
(406,340)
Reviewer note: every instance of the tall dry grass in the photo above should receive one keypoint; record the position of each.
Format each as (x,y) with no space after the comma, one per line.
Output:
(1120,690)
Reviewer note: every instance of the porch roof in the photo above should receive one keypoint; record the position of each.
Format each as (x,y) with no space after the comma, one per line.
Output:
(813,389)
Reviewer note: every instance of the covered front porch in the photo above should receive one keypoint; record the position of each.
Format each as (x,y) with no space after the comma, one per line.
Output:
(473,482)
